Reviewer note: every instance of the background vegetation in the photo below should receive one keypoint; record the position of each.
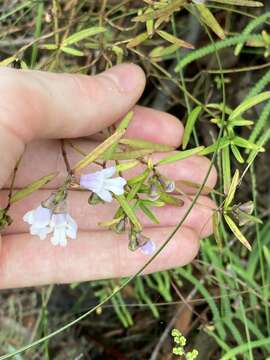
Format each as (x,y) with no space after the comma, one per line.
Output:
(220,302)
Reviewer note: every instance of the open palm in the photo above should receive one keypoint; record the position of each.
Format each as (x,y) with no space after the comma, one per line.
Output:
(37,108)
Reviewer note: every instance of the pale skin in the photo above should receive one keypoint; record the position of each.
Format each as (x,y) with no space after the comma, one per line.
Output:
(37,109)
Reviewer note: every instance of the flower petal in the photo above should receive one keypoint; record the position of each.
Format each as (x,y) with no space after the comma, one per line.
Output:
(29,217)
(42,216)
(59,236)
(108,172)
(40,232)
(105,195)
(148,248)
(92,181)
(72,228)
(59,219)
(115,185)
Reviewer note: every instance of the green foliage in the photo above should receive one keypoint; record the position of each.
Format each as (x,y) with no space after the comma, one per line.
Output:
(231,281)
(218,45)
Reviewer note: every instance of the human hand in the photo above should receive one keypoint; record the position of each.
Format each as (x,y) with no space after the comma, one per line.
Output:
(37,108)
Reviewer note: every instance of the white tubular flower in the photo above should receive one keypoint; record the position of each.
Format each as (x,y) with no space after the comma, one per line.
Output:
(43,221)
(63,226)
(102,184)
(39,219)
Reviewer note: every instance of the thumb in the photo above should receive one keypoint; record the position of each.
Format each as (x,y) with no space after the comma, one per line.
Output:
(35,104)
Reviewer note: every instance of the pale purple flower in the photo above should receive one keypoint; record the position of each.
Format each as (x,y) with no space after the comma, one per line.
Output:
(39,219)
(102,183)
(148,248)
(63,226)
(43,222)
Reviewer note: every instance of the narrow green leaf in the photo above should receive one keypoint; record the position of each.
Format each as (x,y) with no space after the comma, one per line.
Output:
(99,150)
(161,52)
(180,155)
(171,200)
(128,211)
(129,155)
(136,187)
(208,18)
(149,24)
(191,120)
(122,126)
(143,144)
(119,52)
(266,253)
(220,107)
(212,148)
(48,46)
(148,212)
(137,40)
(165,11)
(127,165)
(71,51)
(241,2)
(237,154)
(151,203)
(174,40)
(249,103)
(232,189)
(83,34)
(261,141)
(237,232)
(241,122)
(38,31)
(110,223)
(136,179)
(226,169)
(8,61)
(239,141)
(29,189)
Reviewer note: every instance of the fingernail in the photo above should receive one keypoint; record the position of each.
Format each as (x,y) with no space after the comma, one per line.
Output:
(127,77)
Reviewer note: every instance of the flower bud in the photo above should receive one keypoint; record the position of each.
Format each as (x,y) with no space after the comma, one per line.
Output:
(60,208)
(154,193)
(133,244)
(120,227)
(49,202)
(247,207)
(94,199)
(166,184)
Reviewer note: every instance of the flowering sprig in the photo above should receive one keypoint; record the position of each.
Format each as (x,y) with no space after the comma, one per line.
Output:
(143,192)
(52,219)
